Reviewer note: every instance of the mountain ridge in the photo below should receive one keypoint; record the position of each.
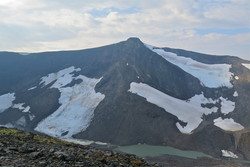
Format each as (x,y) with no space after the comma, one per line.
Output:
(124,117)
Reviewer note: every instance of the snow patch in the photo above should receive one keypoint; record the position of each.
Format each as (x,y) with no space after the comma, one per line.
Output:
(236,77)
(228,124)
(127,64)
(77,107)
(235,94)
(210,75)
(6,101)
(227,106)
(63,77)
(246,65)
(189,111)
(20,107)
(32,88)
(230,154)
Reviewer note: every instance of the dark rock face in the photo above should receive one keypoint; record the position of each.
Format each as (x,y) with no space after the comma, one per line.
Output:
(244,144)
(125,118)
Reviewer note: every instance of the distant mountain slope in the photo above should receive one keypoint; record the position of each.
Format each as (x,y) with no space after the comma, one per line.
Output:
(129,93)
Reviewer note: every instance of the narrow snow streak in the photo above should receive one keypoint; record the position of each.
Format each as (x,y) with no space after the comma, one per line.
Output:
(32,88)
(6,101)
(228,124)
(77,105)
(210,75)
(246,65)
(189,111)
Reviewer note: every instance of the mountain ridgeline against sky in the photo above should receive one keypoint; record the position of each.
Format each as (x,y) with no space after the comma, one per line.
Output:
(129,93)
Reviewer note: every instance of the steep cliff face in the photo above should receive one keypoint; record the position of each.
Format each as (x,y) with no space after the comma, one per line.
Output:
(129,93)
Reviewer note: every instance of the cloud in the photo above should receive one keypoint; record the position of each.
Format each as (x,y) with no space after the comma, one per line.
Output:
(40,25)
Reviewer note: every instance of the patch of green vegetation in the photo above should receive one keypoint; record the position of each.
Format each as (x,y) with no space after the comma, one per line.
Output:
(20,136)
(11,132)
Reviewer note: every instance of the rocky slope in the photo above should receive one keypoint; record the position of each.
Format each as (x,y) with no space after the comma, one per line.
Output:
(25,149)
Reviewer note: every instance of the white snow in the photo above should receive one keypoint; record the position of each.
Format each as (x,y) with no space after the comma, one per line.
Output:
(6,101)
(127,64)
(230,154)
(77,107)
(228,124)
(20,107)
(27,109)
(189,111)
(246,65)
(227,106)
(32,88)
(63,77)
(235,94)
(236,77)
(210,75)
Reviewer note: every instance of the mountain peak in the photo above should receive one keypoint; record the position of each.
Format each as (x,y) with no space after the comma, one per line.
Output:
(134,39)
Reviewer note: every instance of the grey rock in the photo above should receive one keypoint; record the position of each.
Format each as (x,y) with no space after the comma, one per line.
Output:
(35,154)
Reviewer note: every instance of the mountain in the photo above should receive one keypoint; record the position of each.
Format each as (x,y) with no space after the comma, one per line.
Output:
(129,93)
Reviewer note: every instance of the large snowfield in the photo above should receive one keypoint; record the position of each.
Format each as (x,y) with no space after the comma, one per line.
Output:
(210,75)
(77,104)
(189,111)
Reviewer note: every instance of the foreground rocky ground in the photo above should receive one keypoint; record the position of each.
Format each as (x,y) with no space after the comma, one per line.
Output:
(21,149)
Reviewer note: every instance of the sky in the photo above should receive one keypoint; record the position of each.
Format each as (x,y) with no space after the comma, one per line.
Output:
(220,27)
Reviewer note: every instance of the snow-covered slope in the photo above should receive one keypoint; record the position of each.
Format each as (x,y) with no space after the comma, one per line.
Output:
(62,77)
(77,104)
(210,75)
(190,111)
(6,101)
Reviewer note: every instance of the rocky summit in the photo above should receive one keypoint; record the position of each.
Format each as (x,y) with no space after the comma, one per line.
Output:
(129,93)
